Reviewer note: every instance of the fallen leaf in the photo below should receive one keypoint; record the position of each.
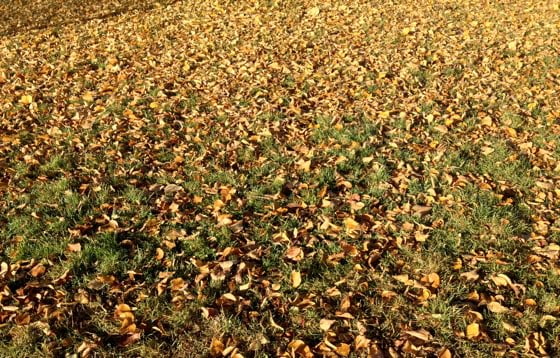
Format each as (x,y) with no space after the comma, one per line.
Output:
(473,330)
(343,349)
(325,324)
(496,307)
(295,277)
(26,99)
(77,247)
(314,11)
(38,270)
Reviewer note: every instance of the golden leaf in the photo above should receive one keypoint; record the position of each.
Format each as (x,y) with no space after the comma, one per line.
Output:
(473,330)
(295,277)
(314,11)
(420,237)
(343,350)
(87,97)
(26,99)
(304,165)
(351,224)
(445,353)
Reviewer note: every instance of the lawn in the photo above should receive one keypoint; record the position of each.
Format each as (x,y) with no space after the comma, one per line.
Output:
(280,178)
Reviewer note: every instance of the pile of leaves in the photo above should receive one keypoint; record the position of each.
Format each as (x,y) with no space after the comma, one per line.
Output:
(280,178)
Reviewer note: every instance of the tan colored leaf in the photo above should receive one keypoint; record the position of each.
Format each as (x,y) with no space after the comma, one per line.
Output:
(325,324)
(304,165)
(295,277)
(496,307)
(470,275)
(77,247)
(421,334)
(294,253)
(501,280)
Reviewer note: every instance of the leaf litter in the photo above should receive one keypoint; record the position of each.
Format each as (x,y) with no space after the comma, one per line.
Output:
(295,179)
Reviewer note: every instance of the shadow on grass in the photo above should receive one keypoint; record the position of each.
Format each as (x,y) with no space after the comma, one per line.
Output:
(18,16)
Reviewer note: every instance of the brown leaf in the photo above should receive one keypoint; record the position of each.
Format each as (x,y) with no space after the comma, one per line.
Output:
(38,270)
(294,253)
(77,247)
(129,339)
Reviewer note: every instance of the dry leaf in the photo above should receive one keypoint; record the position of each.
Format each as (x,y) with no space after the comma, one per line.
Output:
(496,307)
(314,11)
(473,330)
(295,278)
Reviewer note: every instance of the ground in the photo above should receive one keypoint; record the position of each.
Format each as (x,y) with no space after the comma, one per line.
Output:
(280,178)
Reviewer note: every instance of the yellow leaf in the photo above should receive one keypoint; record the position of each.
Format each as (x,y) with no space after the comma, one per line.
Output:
(314,11)
(216,347)
(473,330)
(275,66)
(420,237)
(87,97)
(304,165)
(408,30)
(351,224)
(295,277)
(26,99)
(486,121)
(511,132)
(154,105)
(384,114)
(531,106)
